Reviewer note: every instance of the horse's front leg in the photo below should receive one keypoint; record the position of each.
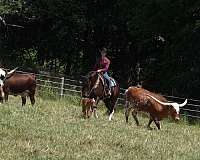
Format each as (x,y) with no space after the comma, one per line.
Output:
(110,104)
(112,109)
(94,108)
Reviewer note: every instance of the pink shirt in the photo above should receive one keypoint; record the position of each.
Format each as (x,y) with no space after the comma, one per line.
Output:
(103,64)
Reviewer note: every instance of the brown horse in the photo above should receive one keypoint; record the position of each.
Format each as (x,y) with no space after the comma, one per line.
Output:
(94,87)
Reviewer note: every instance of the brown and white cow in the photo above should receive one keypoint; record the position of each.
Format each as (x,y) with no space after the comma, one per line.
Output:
(139,99)
(13,83)
(87,104)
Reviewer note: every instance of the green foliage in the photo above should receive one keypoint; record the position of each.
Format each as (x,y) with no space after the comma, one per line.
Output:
(28,57)
(47,92)
(65,37)
(11,7)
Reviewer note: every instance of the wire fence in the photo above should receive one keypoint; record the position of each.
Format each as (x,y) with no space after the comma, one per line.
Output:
(65,86)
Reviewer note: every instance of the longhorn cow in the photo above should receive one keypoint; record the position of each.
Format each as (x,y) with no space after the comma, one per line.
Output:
(12,83)
(139,99)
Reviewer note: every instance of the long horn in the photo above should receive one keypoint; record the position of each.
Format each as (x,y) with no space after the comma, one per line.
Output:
(163,103)
(174,104)
(183,104)
(12,71)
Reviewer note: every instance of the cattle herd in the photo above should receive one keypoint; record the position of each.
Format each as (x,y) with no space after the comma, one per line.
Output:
(137,99)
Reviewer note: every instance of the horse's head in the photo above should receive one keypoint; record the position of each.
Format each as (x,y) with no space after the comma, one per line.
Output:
(88,83)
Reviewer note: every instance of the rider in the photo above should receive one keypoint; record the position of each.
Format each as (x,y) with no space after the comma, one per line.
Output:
(102,65)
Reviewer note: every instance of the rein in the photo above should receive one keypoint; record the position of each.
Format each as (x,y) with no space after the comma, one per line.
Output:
(96,84)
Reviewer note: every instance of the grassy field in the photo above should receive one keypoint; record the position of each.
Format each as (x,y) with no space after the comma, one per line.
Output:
(55,129)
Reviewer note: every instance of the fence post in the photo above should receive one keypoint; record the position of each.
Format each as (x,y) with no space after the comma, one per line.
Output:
(62,86)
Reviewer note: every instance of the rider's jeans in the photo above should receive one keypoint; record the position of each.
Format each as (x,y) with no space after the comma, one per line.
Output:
(108,78)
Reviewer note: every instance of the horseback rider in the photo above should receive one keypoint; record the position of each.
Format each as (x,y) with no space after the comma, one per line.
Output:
(102,66)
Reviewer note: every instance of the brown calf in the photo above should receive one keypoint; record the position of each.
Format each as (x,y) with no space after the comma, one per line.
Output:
(87,104)
(139,99)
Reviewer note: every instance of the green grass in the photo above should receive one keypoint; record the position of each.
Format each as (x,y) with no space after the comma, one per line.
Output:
(55,129)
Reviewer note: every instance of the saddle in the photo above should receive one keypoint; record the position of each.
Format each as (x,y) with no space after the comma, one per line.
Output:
(106,85)
(106,82)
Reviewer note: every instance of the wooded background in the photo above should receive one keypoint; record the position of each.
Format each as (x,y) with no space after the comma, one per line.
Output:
(64,37)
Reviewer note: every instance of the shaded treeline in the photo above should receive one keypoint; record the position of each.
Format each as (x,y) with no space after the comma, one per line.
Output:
(64,36)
